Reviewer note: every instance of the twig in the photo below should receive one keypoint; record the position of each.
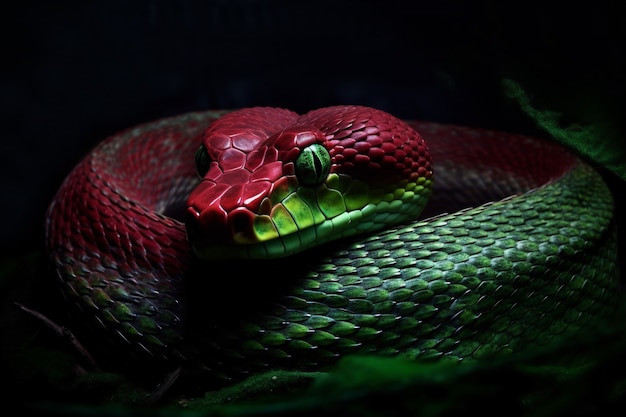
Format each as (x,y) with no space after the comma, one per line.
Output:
(164,387)
(61,331)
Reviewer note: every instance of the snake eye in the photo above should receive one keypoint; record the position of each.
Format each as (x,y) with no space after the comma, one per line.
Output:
(313,165)
(202,161)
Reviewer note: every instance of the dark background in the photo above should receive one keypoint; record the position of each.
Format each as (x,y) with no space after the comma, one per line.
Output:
(74,72)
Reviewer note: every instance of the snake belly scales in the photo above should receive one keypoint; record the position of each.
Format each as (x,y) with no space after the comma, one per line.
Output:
(516,247)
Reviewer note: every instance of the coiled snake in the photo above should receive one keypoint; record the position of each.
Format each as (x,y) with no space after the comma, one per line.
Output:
(525,254)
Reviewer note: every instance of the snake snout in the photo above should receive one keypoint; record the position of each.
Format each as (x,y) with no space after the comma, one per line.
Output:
(211,229)
(210,225)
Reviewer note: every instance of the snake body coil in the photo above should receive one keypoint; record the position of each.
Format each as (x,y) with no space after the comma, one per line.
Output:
(526,254)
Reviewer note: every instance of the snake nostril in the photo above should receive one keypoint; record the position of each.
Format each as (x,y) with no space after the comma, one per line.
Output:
(240,222)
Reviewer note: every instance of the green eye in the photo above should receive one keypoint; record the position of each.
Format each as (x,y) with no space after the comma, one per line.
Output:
(202,161)
(313,165)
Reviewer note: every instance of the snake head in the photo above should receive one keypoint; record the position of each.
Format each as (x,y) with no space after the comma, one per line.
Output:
(275,183)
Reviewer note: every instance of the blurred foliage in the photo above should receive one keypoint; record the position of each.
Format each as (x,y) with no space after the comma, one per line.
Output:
(601,143)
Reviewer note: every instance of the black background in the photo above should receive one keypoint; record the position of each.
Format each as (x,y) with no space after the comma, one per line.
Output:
(74,72)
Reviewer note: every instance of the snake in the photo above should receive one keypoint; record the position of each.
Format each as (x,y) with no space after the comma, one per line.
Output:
(235,242)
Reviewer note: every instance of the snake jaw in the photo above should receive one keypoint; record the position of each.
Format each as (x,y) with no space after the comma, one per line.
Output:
(295,217)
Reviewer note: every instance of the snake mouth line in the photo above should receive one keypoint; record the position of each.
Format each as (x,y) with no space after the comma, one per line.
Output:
(354,222)
(294,230)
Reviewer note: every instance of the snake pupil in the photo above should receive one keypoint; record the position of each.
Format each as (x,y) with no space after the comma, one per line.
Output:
(313,165)
(202,161)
